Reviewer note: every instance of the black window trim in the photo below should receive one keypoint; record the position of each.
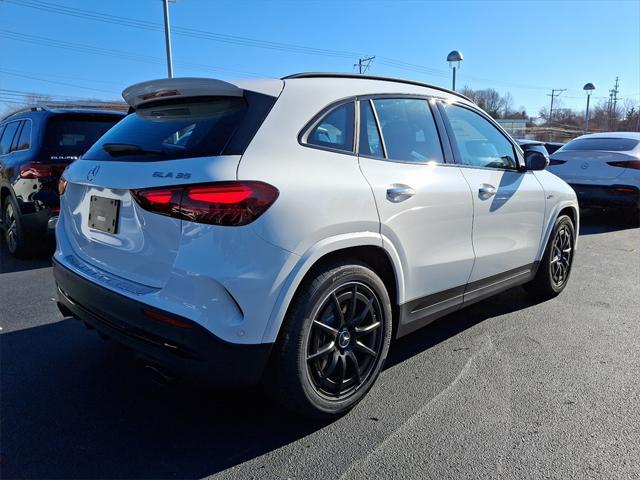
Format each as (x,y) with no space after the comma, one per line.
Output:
(318,117)
(19,134)
(517,150)
(369,101)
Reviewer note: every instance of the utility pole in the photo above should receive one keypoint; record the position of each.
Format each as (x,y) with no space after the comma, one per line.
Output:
(167,38)
(614,97)
(553,95)
(364,64)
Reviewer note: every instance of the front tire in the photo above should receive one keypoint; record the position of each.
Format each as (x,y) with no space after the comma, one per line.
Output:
(333,343)
(555,267)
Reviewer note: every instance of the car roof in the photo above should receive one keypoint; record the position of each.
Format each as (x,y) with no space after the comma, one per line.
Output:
(361,77)
(524,141)
(45,112)
(633,135)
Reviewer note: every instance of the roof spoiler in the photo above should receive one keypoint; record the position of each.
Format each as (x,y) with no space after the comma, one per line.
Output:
(141,93)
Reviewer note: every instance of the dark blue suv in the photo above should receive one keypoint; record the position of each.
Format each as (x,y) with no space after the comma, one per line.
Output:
(36,145)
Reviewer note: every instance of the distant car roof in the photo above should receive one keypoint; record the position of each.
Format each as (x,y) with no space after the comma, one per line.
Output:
(523,141)
(633,135)
(35,111)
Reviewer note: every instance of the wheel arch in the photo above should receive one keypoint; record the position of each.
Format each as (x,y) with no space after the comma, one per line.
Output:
(564,208)
(366,247)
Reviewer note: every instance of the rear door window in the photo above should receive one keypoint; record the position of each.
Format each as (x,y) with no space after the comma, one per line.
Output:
(7,137)
(335,130)
(72,135)
(409,130)
(24,141)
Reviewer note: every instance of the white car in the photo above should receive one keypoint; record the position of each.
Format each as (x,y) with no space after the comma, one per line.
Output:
(603,169)
(284,231)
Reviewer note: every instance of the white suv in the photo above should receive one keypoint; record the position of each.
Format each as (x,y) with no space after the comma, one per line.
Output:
(284,231)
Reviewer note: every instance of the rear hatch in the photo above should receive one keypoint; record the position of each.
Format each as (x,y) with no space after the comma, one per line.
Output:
(589,160)
(166,142)
(68,135)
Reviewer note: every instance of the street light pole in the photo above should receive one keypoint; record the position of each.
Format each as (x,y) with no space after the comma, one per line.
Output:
(454,58)
(167,37)
(589,88)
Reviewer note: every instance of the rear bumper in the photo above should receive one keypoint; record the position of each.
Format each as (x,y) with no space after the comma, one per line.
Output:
(193,353)
(607,195)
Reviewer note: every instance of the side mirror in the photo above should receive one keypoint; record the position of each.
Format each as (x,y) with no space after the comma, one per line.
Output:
(535,160)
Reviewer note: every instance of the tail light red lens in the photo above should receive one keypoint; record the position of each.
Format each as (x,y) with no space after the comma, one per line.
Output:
(159,317)
(634,164)
(557,162)
(41,170)
(221,203)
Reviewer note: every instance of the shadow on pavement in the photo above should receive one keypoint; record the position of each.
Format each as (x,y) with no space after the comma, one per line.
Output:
(604,221)
(9,264)
(74,406)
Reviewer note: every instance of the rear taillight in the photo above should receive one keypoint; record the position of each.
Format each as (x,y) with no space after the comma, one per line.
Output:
(557,162)
(221,203)
(634,164)
(41,170)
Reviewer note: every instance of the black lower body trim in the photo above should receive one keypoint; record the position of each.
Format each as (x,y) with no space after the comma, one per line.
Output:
(607,196)
(193,353)
(422,311)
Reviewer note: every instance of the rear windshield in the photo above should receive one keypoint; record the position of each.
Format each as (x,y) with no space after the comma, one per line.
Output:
(184,128)
(72,135)
(606,144)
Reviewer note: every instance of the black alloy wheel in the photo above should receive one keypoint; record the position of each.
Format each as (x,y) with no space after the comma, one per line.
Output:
(333,342)
(561,255)
(345,340)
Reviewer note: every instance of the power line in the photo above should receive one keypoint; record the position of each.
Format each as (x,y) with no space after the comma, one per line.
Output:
(245,41)
(120,54)
(7,72)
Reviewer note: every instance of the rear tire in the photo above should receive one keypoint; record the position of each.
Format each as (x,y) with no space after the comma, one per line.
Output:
(555,267)
(14,235)
(333,343)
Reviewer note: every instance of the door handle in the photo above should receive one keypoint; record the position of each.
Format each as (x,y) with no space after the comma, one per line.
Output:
(399,192)
(487,190)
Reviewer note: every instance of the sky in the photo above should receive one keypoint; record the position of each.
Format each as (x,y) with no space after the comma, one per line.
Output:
(95,48)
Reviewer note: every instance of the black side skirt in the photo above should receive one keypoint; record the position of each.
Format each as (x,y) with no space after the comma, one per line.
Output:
(422,311)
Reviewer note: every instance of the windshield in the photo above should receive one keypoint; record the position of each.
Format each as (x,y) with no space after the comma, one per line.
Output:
(72,135)
(605,144)
(167,130)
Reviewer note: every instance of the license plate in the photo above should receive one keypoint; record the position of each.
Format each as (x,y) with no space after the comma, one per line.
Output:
(103,214)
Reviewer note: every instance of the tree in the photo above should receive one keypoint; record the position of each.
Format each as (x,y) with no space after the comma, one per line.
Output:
(491,101)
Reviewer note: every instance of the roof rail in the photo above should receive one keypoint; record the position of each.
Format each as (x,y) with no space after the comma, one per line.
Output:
(37,108)
(372,77)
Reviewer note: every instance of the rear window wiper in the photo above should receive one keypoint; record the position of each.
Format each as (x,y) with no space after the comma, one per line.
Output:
(115,149)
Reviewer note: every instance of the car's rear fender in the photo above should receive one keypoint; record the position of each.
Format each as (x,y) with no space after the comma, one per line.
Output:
(316,254)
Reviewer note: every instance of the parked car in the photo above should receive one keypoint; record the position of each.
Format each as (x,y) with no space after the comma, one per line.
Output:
(603,169)
(552,147)
(533,145)
(36,145)
(302,224)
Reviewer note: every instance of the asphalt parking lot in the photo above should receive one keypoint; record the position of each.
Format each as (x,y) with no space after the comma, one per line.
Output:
(504,389)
